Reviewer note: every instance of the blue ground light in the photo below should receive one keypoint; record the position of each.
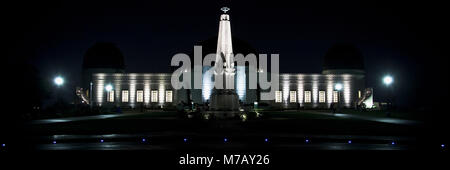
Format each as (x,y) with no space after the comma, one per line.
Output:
(442,145)
(393,143)
(54,142)
(3,145)
(101,140)
(185,139)
(225,140)
(350,142)
(144,140)
(307,141)
(266,140)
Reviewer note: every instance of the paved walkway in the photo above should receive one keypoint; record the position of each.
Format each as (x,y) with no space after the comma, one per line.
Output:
(72,119)
(362,117)
(375,119)
(170,140)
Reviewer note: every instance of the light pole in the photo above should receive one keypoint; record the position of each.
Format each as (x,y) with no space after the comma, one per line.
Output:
(90,95)
(108,89)
(387,81)
(58,80)
(338,88)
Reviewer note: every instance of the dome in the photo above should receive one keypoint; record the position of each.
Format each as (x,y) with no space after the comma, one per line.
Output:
(104,55)
(343,57)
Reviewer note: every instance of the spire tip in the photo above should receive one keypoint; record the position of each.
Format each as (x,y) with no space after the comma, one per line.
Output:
(225,9)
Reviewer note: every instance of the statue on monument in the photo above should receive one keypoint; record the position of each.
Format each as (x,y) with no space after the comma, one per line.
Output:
(225,102)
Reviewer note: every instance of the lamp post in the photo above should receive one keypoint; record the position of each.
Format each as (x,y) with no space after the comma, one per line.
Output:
(338,88)
(90,94)
(108,89)
(58,80)
(388,80)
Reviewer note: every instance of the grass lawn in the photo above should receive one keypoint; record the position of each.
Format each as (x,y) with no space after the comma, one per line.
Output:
(382,114)
(149,115)
(295,122)
(301,114)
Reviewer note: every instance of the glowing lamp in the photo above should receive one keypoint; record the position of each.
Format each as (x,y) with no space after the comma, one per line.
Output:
(59,81)
(108,87)
(388,80)
(338,86)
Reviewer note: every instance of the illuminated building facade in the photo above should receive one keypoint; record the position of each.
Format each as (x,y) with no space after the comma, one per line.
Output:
(111,86)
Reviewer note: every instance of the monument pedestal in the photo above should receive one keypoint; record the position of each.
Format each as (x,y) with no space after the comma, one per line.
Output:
(224,104)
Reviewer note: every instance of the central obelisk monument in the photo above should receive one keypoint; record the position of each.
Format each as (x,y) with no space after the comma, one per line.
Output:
(224,101)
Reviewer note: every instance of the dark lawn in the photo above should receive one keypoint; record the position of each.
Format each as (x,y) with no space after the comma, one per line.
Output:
(408,115)
(292,122)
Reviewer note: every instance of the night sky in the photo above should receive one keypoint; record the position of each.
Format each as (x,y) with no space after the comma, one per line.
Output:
(407,40)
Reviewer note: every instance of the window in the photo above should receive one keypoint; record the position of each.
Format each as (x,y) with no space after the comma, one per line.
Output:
(110,96)
(321,96)
(140,96)
(359,93)
(169,96)
(278,96)
(154,96)
(307,96)
(335,96)
(293,96)
(125,96)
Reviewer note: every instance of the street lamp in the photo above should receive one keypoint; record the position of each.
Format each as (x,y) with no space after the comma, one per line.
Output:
(338,87)
(108,87)
(59,81)
(388,80)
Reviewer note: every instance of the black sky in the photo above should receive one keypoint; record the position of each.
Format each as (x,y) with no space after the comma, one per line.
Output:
(406,39)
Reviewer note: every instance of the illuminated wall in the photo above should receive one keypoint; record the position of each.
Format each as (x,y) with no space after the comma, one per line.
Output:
(207,84)
(315,90)
(300,89)
(161,92)
(285,87)
(330,89)
(347,89)
(146,91)
(241,82)
(99,88)
(316,83)
(117,86)
(132,89)
(289,83)
(132,82)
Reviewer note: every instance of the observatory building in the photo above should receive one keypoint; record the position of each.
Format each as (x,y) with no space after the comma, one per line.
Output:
(105,82)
